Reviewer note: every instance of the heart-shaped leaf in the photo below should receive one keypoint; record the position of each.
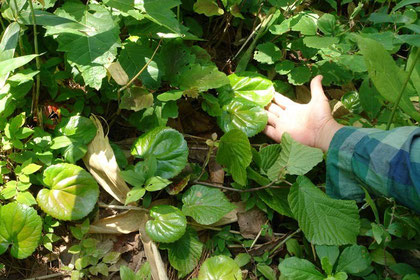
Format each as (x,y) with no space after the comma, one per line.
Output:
(71,192)
(167,146)
(168,224)
(221,268)
(244,115)
(206,205)
(20,228)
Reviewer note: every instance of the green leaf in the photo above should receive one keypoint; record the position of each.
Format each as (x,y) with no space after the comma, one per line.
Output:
(11,64)
(168,224)
(354,259)
(206,205)
(88,50)
(30,168)
(320,42)
(20,228)
(235,153)
(327,24)
(71,192)
(267,53)
(208,8)
(306,25)
(135,194)
(242,259)
(8,45)
(167,146)
(269,155)
(252,87)
(276,199)
(160,12)
(156,184)
(387,77)
(25,198)
(299,75)
(284,67)
(330,252)
(73,136)
(185,253)
(126,273)
(201,78)
(295,158)
(299,269)
(244,115)
(266,271)
(221,268)
(323,220)
(136,99)
(382,257)
(134,56)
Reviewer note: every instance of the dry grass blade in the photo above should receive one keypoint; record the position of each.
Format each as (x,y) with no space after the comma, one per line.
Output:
(123,223)
(154,258)
(101,163)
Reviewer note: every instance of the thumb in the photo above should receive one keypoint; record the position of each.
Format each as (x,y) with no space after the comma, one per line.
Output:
(316,90)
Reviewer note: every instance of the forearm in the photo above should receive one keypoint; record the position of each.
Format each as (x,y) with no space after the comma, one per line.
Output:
(385,162)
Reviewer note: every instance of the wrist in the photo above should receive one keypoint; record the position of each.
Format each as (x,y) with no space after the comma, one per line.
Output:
(326,133)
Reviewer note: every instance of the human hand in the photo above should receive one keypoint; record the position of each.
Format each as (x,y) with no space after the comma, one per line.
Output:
(311,124)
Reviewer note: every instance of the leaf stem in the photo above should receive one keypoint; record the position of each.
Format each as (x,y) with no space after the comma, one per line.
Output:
(122,207)
(283,242)
(219,186)
(54,275)
(35,99)
(394,109)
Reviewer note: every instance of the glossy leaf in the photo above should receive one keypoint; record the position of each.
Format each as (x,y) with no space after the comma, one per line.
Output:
(221,268)
(167,146)
(71,192)
(252,87)
(235,153)
(185,253)
(267,53)
(167,224)
(323,220)
(20,228)
(244,115)
(206,205)
(7,46)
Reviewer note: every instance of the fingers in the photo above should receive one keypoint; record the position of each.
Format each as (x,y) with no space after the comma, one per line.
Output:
(275,109)
(316,90)
(282,100)
(271,132)
(272,118)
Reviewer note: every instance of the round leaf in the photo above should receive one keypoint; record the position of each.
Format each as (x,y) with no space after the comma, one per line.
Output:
(168,224)
(169,148)
(244,115)
(206,205)
(252,87)
(79,129)
(20,227)
(71,192)
(354,260)
(221,268)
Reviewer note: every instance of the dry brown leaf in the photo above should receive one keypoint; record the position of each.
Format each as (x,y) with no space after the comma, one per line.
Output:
(251,222)
(153,256)
(118,73)
(123,223)
(217,174)
(101,163)
(303,94)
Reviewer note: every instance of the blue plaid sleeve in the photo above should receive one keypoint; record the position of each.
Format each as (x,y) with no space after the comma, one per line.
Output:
(385,162)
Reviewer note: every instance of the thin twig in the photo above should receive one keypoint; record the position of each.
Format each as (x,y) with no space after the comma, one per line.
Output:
(122,207)
(283,242)
(49,276)
(35,99)
(397,102)
(220,186)
(258,236)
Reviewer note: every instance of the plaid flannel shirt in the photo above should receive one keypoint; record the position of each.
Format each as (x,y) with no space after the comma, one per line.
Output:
(384,162)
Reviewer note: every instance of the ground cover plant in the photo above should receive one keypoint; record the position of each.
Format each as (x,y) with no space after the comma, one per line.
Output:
(131,144)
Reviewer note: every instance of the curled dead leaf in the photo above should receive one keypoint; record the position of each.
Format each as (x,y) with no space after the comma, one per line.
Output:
(101,163)
(122,223)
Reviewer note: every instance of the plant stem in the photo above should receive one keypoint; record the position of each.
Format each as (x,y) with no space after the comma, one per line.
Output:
(22,52)
(397,102)
(122,207)
(2,23)
(283,242)
(219,186)
(35,98)
(54,275)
